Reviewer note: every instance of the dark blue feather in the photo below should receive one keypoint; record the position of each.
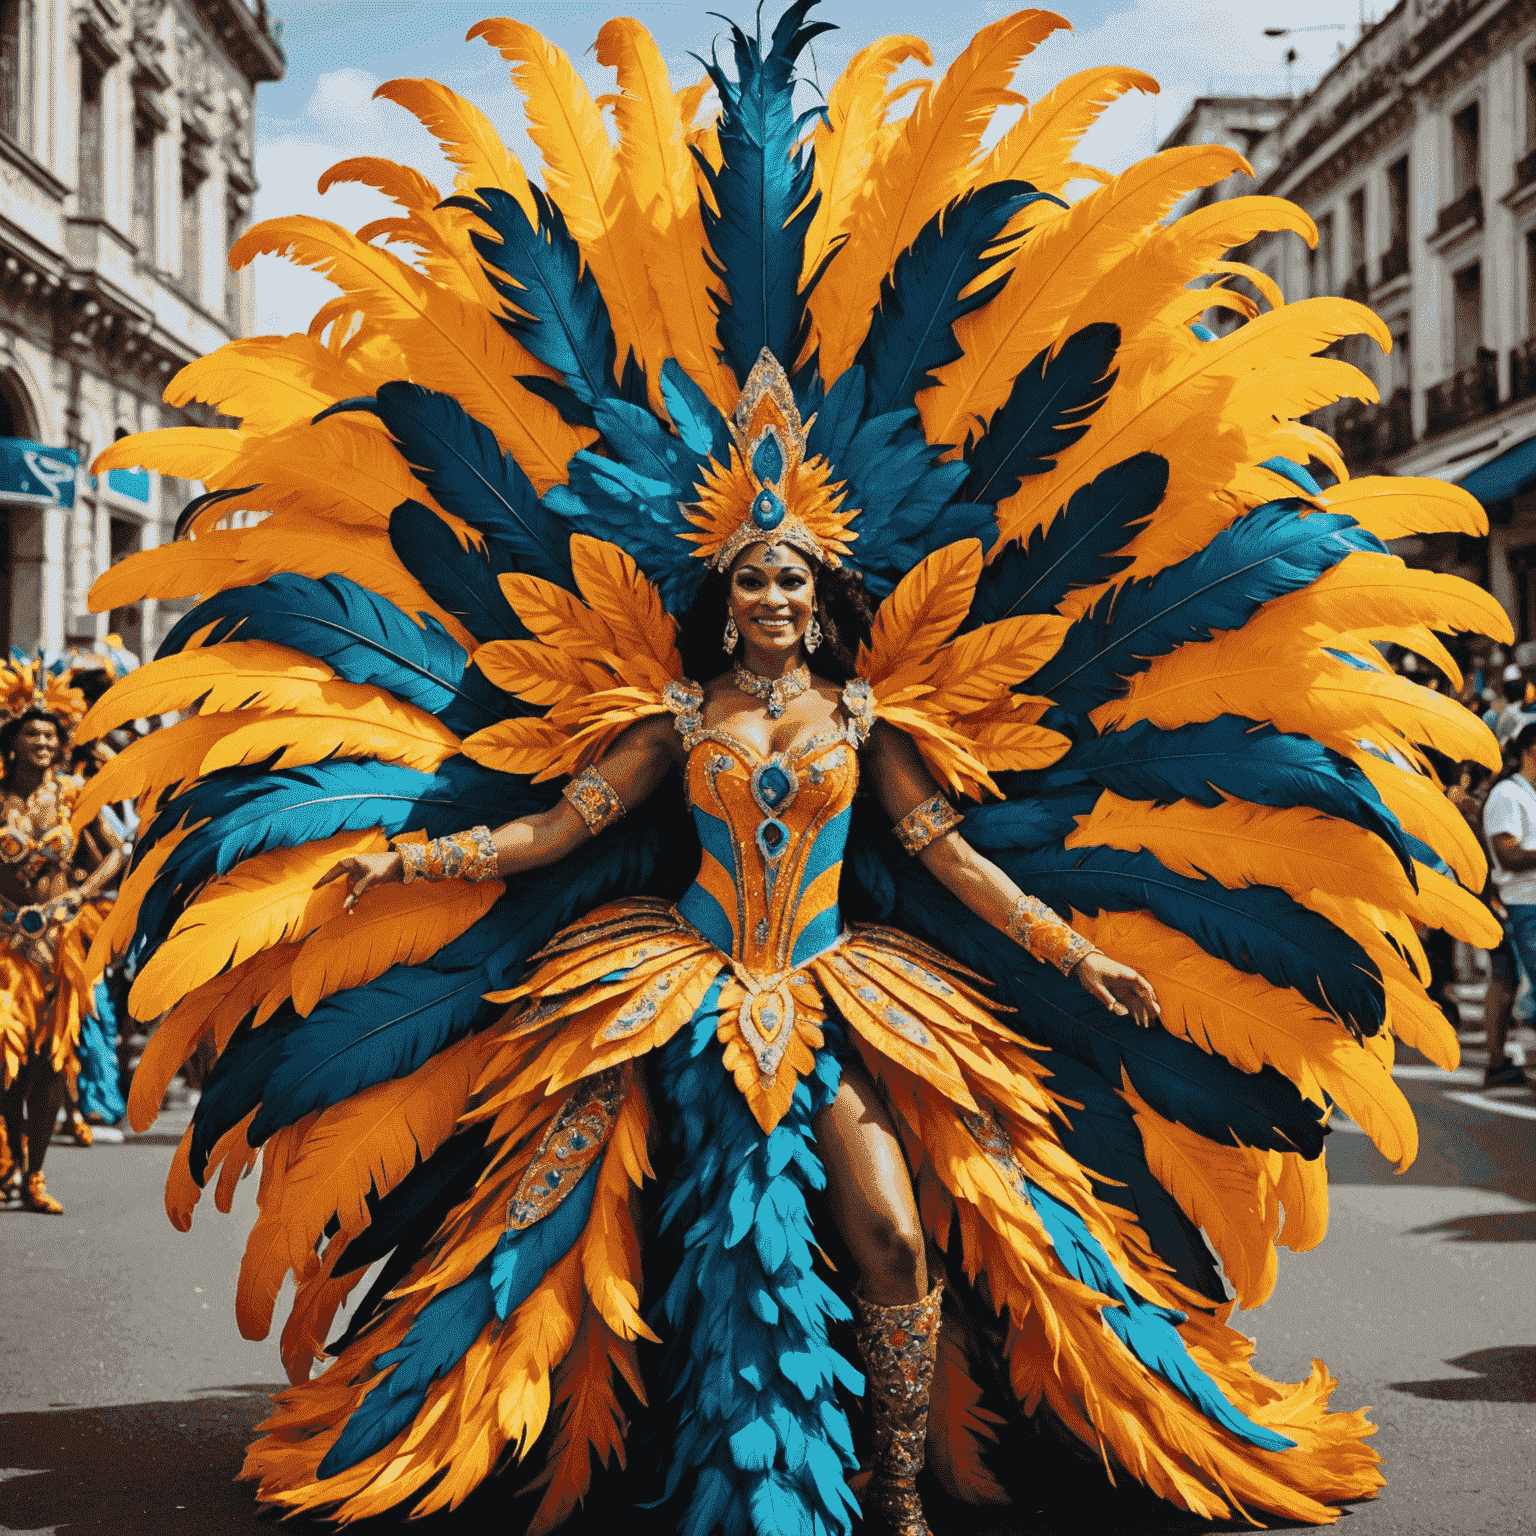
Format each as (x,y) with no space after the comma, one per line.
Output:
(363,637)
(390,1026)
(438,1339)
(234,1087)
(1046,411)
(1271,551)
(912,331)
(1258,928)
(694,415)
(461,581)
(1102,1137)
(554,306)
(1226,757)
(462,464)
(1078,548)
(762,192)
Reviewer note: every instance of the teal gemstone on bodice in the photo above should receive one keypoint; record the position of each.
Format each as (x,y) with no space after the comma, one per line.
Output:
(773,784)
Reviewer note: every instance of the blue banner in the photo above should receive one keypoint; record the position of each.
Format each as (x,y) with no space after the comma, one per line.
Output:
(32,472)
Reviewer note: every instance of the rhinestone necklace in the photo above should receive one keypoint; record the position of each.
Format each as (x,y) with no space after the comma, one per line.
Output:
(777,690)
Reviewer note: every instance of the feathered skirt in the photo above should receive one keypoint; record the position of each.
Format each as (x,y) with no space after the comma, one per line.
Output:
(518,1324)
(42,1006)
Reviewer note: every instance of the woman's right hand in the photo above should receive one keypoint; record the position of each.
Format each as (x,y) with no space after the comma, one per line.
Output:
(364,872)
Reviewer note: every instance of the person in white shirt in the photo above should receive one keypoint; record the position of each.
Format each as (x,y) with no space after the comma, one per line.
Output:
(1509,823)
(1508,720)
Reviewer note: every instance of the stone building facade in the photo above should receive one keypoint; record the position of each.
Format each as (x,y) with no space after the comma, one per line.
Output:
(1416,157)
(126,169)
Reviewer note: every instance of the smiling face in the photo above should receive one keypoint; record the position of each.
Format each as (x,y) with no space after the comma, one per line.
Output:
(38,743)
(773,596)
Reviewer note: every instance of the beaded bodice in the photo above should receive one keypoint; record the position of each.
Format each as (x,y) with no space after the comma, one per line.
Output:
(773,829)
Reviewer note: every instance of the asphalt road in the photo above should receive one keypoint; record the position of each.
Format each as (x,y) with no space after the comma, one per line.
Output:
(126,1395)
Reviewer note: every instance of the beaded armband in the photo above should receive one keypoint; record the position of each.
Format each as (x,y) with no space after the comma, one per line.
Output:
(462,856)
(595,800)
(1045,936)
(926,823)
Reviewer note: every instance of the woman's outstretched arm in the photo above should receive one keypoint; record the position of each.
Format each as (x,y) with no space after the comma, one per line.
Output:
(912,799)
(630,770)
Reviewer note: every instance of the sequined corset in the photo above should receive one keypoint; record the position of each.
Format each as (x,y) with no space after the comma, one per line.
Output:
(773,830)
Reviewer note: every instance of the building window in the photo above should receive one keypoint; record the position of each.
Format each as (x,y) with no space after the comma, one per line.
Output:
(1464,150)
(126,622)
(1468,316)
(1394,260)
(192,228)
(233,222)
(92,203)
(1530,102)
(1357,238)
(144,137)
(15,69)
(1320,259)
(1530,282)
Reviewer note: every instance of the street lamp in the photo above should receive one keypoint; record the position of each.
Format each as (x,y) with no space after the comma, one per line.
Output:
(1290,53)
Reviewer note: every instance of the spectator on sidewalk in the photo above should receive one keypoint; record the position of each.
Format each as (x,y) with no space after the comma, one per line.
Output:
(1509,822)
(1507,721)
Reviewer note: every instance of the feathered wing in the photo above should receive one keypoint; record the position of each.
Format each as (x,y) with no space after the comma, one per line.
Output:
(1116,611)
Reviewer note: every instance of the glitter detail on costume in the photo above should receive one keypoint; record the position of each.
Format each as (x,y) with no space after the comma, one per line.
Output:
(595,800)
(467,855)
(570,1146)
(1033,924)
(926,823)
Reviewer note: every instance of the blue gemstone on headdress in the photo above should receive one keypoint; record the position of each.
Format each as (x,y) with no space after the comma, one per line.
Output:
(767,510)
(768,460)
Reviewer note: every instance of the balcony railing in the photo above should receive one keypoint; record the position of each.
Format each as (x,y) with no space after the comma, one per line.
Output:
(1468,208)
(1525,170)
(1465,396)
(1368,434)
(1522,370)
(1394,261)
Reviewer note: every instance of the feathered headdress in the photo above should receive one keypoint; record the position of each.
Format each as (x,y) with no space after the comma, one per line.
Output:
(34,683)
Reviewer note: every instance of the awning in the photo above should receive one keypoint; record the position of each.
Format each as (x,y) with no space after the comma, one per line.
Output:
(33,473)
(1505,476)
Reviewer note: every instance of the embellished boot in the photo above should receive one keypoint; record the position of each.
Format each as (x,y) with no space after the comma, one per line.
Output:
(898,1347)
(36,1197)
(80,1130)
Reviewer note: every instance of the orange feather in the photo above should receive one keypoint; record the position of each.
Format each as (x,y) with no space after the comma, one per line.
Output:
(390,925)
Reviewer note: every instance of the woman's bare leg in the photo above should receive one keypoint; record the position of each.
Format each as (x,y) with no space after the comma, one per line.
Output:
(869,1192)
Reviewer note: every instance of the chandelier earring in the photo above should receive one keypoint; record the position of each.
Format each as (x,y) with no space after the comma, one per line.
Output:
(732,634)
(813,635)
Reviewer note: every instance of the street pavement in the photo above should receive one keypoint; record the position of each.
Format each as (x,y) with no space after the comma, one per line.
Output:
(126,1395)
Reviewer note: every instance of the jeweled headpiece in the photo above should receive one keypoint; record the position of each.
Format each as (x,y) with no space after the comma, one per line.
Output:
(771,493)
(30,684)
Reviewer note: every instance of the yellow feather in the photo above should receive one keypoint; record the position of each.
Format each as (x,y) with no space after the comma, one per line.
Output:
(928,164)
(847,139)
(113,935)
(1059,261)
(926,608)
(1420,805)
(401,184)
(1303,1191)
(450,343)
(1393,508)
(1252,1023)
(268,1255)
(1221,1189)
(644,633)
(171,1044)
(581,173)
(468,139)
(390,925)
(658,174)
(992,659)
(239,674)
(265,900)
(188,568)
(1038,147)
(272,382)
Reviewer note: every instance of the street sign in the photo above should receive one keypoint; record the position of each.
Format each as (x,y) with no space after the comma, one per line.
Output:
(36,474)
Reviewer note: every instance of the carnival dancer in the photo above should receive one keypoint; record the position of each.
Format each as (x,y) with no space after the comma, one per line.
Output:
(516,862)
(51,880)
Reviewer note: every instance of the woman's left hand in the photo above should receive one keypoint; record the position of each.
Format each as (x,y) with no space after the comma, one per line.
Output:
(1118,987)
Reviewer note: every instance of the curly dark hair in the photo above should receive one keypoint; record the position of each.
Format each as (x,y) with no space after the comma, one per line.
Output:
(12,729)
(842,605)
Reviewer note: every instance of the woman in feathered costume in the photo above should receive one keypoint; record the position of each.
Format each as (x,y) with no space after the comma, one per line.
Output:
(705,394)
(51,878)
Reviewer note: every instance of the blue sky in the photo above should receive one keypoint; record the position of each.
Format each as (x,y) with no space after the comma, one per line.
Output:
(339,50)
